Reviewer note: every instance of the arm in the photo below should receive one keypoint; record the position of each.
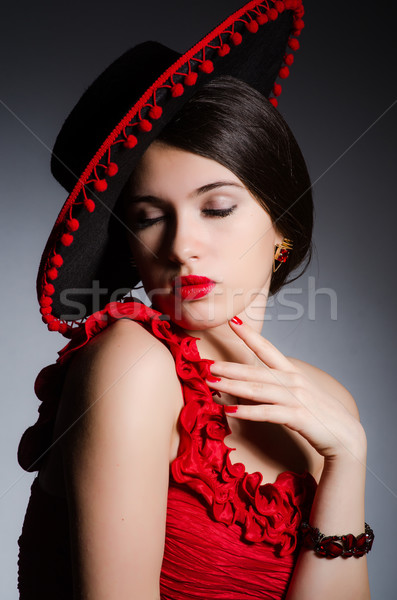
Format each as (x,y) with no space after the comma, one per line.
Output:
(116,461)
(338,508)
(313,404)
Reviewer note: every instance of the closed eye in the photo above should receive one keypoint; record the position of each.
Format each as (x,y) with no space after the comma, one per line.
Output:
(219,212)
(143,223)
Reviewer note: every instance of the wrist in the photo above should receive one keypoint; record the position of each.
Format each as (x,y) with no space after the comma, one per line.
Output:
(352,449)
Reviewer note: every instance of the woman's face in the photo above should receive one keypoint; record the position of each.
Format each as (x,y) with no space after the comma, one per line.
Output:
(189,215)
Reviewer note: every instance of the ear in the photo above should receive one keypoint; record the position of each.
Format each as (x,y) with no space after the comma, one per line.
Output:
(278,238)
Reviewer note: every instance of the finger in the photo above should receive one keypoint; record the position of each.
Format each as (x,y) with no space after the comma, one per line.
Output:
(282,415)
(245,372)
(264,350)
(253,390)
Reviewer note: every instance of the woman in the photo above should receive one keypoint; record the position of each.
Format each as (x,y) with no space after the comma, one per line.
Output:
(139,495)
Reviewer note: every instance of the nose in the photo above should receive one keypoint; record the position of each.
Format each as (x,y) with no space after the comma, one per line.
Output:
(186,241)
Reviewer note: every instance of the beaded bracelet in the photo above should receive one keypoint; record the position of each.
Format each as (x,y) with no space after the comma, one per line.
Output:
(332,546)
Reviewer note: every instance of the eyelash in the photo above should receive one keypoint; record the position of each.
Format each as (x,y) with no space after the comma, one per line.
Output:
(217,213)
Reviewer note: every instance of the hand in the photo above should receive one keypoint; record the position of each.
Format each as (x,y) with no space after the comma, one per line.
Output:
(282,393)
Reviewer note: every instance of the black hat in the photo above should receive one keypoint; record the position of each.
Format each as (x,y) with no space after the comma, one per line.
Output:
(115,121)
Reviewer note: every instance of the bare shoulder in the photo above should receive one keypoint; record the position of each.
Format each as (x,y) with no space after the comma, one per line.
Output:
(328,382)
(122,372)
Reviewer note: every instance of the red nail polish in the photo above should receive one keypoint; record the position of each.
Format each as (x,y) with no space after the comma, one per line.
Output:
(236,320)
(231,409)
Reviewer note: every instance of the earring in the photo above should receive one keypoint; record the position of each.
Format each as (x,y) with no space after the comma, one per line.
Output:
(281,253)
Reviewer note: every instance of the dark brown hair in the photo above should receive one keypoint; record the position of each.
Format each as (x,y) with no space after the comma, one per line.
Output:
(230,122)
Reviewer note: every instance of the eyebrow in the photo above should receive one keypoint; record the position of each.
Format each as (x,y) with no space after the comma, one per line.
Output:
(198,192)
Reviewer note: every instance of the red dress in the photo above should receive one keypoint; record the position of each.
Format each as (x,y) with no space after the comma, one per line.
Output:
(228,536)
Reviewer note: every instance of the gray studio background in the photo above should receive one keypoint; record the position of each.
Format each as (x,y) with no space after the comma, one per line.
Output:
(338,101)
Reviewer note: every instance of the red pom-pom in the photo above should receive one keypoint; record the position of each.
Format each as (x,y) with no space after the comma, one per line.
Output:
(191,78)
(224,50)
(49,289)
(272,14)
(262,19)
(89,204)
(62,328)
(252,26)
(277,89)
(283,72)
(280,6)
(273,101)
(130,142)
(299,24)
(100,185)
(46,310)
(52,273)
(47,318)
(236,38)
(45,301)
(290,4)
(112,169)
(155,112)
(177,90)
(293,43)
(57,260)
(145,125)
(53,326)
(72,225)
(289,59)
(207,66)
(67,239)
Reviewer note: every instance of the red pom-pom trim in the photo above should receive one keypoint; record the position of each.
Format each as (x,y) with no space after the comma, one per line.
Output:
(72,225)
(49,289)
(236,38)
(289,59)
(280,6)
(48,318)
(45,301)
(57,260)
(112,169)
(190,79)
(273,101)
(155,112)
(294,44)
(52,273)
(283,72)
(66,239)
(252,26)
(290,4)
(299,24)
(130,142)
(46,310)
(54,325)
(62,328)
(207,66)
(224,50)
(277,89)
(145,125)
(177,90)
(262,19)
(100,185)
(272,14)
(89,204)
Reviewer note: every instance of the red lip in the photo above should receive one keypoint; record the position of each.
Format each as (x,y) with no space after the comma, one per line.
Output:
(192,287)
(191,280)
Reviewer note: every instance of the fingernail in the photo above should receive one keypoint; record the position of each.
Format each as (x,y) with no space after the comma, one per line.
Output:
(236,320)
(231,409)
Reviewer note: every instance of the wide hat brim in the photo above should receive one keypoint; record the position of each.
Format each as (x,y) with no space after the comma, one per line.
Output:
(114,122)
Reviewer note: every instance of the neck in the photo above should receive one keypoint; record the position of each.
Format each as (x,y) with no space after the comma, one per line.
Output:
(221,343)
